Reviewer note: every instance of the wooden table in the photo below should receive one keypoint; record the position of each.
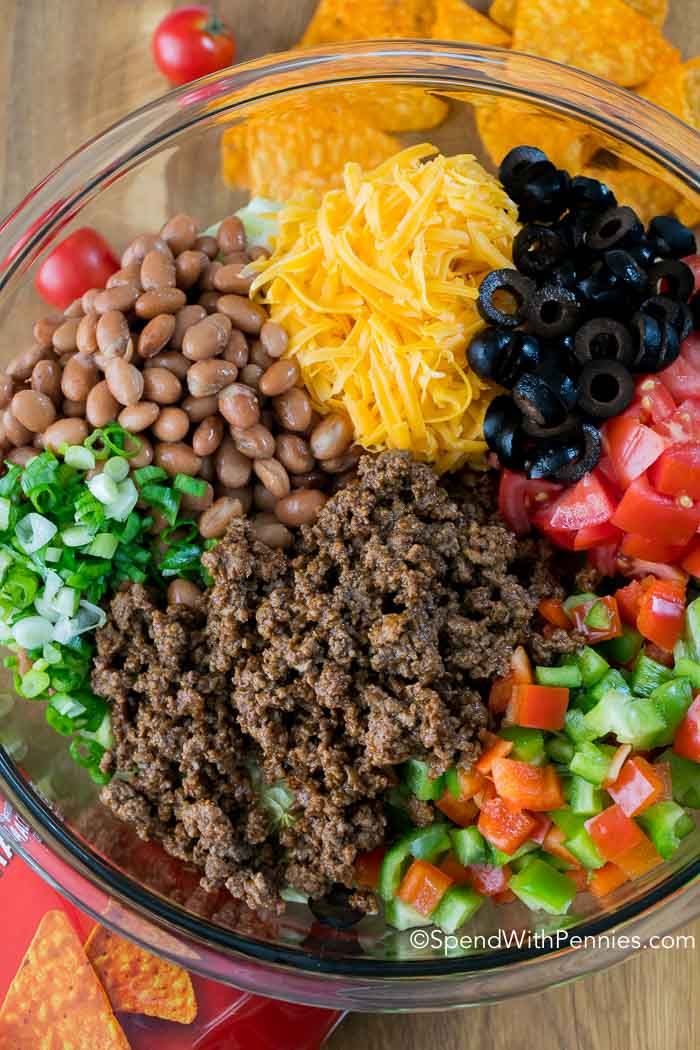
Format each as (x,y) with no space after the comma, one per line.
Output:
(67,69)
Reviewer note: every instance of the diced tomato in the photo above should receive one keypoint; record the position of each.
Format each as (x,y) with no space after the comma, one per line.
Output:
(594,535)
(598,620)
(638,786)
(564,538)
(423,886)
(536,788)
(553,611)
(471,782)
(497,749)
(460,811)
(487,879)
(543,823)
(613,832)
(628,599)
(554,844)
(684,424)
(647,512)
(636,546)
(687,738)
(606,879)
(632,447)
(678,470)
(608,477)
(519,498)
(507,830)
(500,694)
(653,400)
(640,859)
(662,613)
(454,870)
(538,706)
(585,503)
(693,261)
(682,378)
(367,867)
(691,562)
(520,666)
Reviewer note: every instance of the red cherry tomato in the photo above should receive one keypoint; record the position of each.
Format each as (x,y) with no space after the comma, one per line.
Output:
(191,42)
(83,260)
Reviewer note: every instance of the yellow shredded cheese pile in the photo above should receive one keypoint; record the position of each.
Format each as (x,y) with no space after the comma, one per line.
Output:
(376,284)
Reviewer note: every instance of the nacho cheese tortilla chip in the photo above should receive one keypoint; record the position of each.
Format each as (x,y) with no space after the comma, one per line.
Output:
(456,20)
(397,108)
(56,1001)
(503,11)
(503,125)
(677,89)
(605,37)
(138,982)
(336,21)
(645,193)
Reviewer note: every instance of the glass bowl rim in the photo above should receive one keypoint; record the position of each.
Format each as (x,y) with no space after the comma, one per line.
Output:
(631,119)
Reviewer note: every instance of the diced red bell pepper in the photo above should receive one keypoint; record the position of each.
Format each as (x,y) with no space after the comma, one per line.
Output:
(538,706)
(487,792)
(519,498)
(678,470)
(691,562)
(598,620)
(606,879)
(461,811)
(632,447)
(471,782)
(543,824)
(586,503)
(487,879)
(503,827)
(506,897)
(455,871)
(497,748)
(684,424)
(662,613)
(687,739)
(520,666)
(591,536)
(638,786)
(636,546)
(579,877)
(423,886)
(613,832)
(628,599)
(640,859)
(649,513)
(367,867)
(554,844)
(520,784)
(553,611)
(653,400)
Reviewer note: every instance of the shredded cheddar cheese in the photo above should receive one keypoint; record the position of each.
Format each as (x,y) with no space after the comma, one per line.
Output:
(376,284)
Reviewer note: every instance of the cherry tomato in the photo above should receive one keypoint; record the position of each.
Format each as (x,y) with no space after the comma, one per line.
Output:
(191,42)
(83,260)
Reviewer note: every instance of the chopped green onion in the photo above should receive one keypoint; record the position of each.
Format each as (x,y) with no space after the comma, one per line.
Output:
(127,498)
(66,601)
(79,457)
(85,753)
(33,631)
(5,508)
(167,500)
(34,531)
(116,468)
(34,683)
(191,486)
(103,488)
(145,474)
(77,536)
(181,559)
(52,554)
(104,545)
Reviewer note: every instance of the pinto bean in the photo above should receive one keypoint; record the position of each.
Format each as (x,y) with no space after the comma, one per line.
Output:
(101,406)
(214,521)
(184,592)
(161,385)
(300,507)
(188,267)
(279,377)
(137,251)
(207,338)
(294,453)
(293,409)
(113,334)
(331,437)
(156,335)
(231,235)
(273,476)
(207,244)
(22,365)
(171,425)
(79,377)
(125,381)
(177,458)
(157,271)
(45,379)
(271,532)
(33,410)
(239,406)
(198,408)
(44,329)
(180,233)
(274,339)
(209,377)
(159,301)
(140,416)
(256,442)
(65,432)
(86,336)
(184,319)
(121,297)
(208,435)
(231,468)
(244,314)
(170,359)
(64,338)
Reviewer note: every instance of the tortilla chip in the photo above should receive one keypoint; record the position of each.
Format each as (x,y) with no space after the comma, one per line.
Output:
(678,90)
(138,982)
(456,20)
(503,125)
(398,108)
(280,153)
(503,11)
(336,21)
(645,193)
(688,211)
(605,37)
(56,1001)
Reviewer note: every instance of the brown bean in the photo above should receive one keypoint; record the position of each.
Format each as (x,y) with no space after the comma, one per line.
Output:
(125,381)
(180,233)
(44,329)
(214,521)
(171,425)
(184,592)
(101,406)
(231,235)
(340,464)
(279,377)
(332,437)
(157,271)
(207,338)
(136,252)
(139,416)
(232,278)
(156,335)
(274,339)
(271,532)
(237,349)
(65,432)
(250,375)
(188,267)
(73,409)
(300,507)
(247,316)
(122,297)
(198,408)
(256,442)
(293,409)
(210,302)
(88,300)
(161,385)
(22,455)
(46,379)
(206,471)
(64,338)
(143,457)
(234,258)
(239,406)
(209,377)
(294,453)
(206,279)
(74,309)
(86,336)
(176,458)
(258,251)
(22,365)
(170,359)
(7,385)
(263,498)
(273,476)
(208,435)
(198,503)
(79,377)
(207,244)
(15,432)
(159,301)
(130,275)
(113,334)
(259,356)
(311,479)
(33,410)
(231,468)
(184,319)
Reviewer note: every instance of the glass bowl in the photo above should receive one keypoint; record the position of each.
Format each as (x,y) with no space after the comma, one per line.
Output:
(167,157)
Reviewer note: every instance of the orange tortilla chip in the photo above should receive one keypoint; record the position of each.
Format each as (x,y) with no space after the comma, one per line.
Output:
(647,194)
(503,11)
(399,108)
(56,1001)
(336,21)
(138,982)
(605,37)
(456,20)
(678,90)
(503,125)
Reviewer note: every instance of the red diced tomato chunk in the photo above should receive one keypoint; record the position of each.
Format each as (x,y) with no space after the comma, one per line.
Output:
(662,613)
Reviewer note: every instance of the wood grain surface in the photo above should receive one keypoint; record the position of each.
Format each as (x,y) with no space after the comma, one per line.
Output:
(68,68)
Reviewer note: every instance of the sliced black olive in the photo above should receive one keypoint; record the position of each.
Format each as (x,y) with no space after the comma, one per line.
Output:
(644,253)
(503,432)
(538,401)
(603,337)
(678,279)
(502,356)
(537,249)
(603,294)
(574,227)
(549,460)
(673,238)
(552,311)
(590,452)
(614,228)
(606,388)
(335,910)
(661,308)
(569,428)
(626,271)
(658,344)
(511,290)
(566,274)
(554,371)
(585,192)
(517,161)
(541,193)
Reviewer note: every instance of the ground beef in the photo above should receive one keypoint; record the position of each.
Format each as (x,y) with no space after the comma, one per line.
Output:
(373,640)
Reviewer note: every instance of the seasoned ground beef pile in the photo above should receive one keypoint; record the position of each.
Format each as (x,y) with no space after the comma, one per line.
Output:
(372,641)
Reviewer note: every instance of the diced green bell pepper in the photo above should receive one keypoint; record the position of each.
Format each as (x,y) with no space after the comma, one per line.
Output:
(648,675)
(575,726)
(568,675)
(452,782)
(583,797)
(577,839)
(672,700)
(612,680)
(666,824)
(631,720)
(469,846)
(685,777)
(428,843)
(624,649)
(541,887)
(498,858)
(690,669)
(560,749)
(578,599)
(692,630)
(416,777)
(592,762)
(402,916)
(394,865)
(457,906)
(592,666)
(528,744)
